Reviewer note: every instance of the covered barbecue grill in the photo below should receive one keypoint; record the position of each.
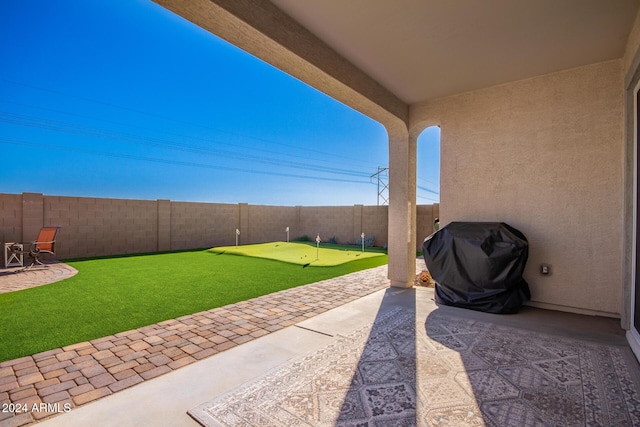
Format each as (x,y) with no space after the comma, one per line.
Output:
(479,266)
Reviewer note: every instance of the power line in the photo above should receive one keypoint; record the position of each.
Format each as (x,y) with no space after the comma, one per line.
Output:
(171,162)
(168,143)
(430,199)
(57,126)
(428,190)
(427,181)
(164,118)
(198,139)
(37,122)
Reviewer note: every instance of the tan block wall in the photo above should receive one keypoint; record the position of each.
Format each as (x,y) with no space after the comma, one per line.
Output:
(164,225)
(32,215)
(328,221)
(203,225)
(10,218)
(96,227)
(546,156)
(425,215)
(101,227)
(375,223)
(268,223)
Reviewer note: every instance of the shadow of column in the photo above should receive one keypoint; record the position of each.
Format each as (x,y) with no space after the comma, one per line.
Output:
(382,391)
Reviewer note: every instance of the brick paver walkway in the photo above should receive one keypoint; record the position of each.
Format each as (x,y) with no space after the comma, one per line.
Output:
(83,372)
(15,278)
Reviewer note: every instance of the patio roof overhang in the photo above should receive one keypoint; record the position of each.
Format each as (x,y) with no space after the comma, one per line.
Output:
(404,52)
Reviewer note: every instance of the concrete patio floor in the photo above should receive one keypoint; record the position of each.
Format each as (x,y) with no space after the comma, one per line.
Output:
(164,401)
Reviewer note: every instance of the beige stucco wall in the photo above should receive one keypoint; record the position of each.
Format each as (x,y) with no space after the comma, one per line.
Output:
(544,155)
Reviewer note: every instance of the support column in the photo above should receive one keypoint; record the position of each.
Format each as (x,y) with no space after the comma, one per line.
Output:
(402,209)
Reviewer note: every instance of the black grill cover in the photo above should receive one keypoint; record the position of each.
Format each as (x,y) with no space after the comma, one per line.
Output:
(479,266)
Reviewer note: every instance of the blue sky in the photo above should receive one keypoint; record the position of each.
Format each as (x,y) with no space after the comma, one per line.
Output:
(124,99)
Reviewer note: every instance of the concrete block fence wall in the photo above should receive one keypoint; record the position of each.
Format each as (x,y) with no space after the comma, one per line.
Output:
(100,226)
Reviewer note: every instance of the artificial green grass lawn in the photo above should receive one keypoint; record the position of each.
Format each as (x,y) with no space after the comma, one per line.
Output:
(111,295)
(301,253)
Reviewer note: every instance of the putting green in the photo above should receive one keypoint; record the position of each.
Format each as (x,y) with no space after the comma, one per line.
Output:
(299,253)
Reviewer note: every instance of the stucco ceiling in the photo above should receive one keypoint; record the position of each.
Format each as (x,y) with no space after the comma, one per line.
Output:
(424,49)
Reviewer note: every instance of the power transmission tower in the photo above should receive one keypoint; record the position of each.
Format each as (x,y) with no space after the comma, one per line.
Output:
(383,187)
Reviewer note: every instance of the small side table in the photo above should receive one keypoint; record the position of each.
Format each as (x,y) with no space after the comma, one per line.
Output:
(11,259)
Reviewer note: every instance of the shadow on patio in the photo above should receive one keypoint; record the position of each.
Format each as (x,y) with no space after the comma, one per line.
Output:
(421,365)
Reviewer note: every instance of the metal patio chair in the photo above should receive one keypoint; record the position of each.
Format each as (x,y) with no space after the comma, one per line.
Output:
(44,244)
